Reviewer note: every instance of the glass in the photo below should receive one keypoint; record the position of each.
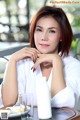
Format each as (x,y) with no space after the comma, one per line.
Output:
(26,102)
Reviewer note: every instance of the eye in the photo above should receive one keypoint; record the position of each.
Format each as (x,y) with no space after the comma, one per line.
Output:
(52,31)
(38,29)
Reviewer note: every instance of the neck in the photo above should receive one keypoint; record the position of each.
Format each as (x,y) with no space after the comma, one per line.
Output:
(46,65)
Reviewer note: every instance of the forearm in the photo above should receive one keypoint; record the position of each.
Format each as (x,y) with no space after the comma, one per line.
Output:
(9,87)
(58,82)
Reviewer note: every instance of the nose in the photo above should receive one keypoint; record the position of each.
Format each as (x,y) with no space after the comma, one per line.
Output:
(44,36)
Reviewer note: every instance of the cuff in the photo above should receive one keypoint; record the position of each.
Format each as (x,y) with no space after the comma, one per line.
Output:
(65,98)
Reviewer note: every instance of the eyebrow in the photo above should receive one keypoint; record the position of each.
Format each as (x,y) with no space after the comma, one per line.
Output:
(48,28)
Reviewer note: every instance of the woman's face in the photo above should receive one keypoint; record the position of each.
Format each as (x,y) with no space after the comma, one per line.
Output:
(47,35)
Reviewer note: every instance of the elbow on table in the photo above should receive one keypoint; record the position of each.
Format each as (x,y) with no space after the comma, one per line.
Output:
(8,99)
(8,102)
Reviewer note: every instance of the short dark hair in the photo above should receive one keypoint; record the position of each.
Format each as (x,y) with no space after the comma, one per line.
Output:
(59,15)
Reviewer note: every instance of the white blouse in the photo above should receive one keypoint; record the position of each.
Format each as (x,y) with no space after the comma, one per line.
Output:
(66,97)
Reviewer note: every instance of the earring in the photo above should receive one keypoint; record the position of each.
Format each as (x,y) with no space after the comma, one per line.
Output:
(60,40)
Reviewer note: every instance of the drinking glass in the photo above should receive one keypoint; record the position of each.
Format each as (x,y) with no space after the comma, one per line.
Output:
(27,101)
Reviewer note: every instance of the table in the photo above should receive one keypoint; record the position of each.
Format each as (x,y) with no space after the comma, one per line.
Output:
(57,114)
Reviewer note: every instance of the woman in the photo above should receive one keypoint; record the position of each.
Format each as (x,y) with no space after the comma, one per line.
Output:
(50,41)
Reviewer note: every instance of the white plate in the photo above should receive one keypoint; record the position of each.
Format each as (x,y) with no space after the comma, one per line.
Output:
(12,115)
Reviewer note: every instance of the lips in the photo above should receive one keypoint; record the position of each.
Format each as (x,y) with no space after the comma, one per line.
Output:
(44,45)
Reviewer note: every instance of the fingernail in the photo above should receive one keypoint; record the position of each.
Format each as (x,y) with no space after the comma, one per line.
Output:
(34,69)
(31,68)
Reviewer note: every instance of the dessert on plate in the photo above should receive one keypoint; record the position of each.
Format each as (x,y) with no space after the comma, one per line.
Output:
(13,109)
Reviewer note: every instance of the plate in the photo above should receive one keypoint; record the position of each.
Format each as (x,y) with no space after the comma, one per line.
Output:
(13,112)
(19,114)
(63,113)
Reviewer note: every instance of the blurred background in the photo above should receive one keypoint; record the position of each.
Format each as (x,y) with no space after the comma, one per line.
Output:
(15,18)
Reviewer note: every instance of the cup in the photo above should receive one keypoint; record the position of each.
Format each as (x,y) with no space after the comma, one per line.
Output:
(26,100)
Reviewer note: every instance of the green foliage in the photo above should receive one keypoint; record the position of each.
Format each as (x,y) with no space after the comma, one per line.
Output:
(76,21)
(74,43)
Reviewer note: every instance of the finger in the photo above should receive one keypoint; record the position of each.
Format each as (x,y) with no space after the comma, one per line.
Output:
(34,55)
(32,52)
(38,62)
(39,55)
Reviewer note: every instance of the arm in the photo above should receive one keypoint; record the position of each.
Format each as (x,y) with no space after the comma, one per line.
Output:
(58,82)
(62,95)
(10,85)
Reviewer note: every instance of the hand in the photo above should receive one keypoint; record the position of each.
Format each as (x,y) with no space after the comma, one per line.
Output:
(58,81)
(25,53)
(47,59)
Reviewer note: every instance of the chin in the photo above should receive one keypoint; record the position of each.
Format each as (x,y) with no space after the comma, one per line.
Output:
(43,52)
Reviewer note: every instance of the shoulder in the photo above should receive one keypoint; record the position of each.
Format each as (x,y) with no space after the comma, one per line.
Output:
(70,61)
(71,65)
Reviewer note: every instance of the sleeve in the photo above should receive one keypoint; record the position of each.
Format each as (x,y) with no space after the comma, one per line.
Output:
(21,76)
(68,96)
(65,98)
(24,75)
(73,77)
